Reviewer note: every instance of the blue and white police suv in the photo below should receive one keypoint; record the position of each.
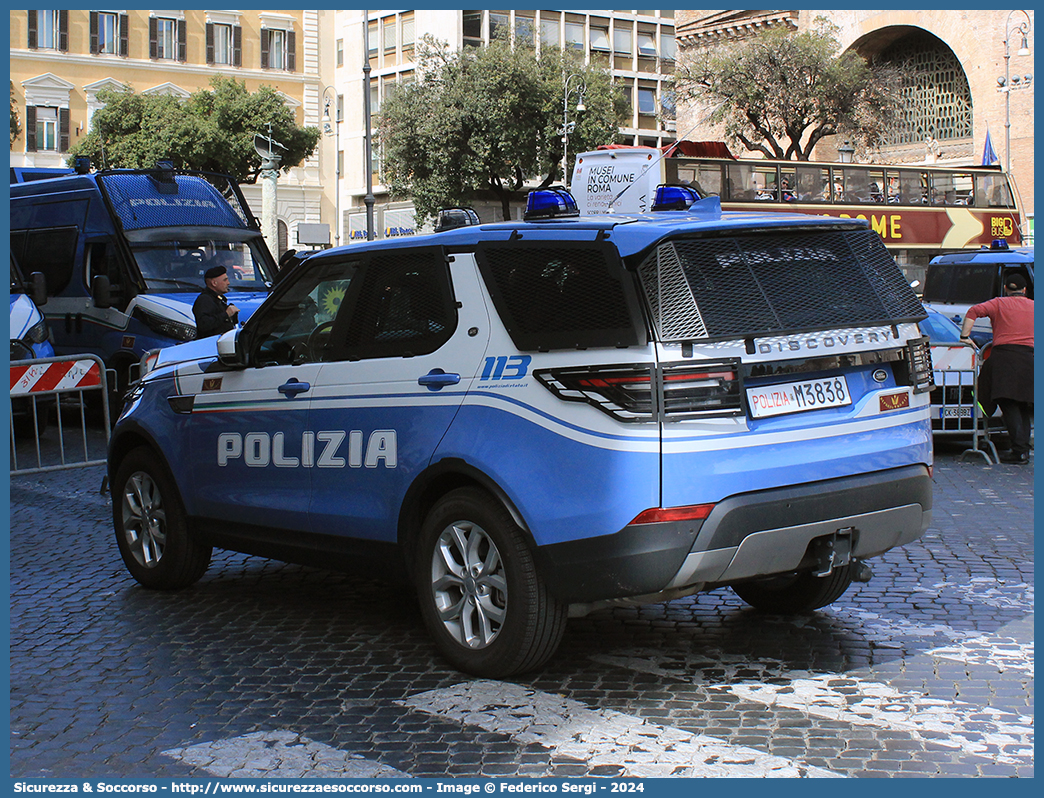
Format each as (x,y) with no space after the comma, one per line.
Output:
(546,417)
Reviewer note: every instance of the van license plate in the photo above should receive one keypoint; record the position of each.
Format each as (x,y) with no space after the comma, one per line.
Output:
(795,397)
(955,412)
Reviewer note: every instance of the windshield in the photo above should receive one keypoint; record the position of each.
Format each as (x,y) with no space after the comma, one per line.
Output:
(939,329)
(179,265)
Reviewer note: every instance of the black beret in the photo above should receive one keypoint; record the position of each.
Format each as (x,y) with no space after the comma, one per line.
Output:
(214,271)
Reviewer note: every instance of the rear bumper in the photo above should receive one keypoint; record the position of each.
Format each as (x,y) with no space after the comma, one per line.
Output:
(745,536)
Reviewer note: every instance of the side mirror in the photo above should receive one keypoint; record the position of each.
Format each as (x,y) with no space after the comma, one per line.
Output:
(229,350)
(101,291)
(38,288)
(287,258)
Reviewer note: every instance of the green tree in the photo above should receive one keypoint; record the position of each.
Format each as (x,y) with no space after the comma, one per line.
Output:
(486,119)
(213,130)
(16,124)
(779,93)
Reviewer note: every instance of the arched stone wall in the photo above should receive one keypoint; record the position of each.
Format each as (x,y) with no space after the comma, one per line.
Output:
(976,38)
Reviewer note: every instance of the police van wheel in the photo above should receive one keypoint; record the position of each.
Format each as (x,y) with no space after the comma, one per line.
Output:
(151,528)
(794,594)
(481,597)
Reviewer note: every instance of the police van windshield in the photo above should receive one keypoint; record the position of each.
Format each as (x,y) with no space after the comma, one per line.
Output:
(179,265)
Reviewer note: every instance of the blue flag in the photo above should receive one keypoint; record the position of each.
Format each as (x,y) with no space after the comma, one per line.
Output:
(989,155)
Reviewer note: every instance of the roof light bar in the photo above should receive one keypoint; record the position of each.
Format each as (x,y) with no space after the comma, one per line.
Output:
(549,203)
(453,218)
(675,198)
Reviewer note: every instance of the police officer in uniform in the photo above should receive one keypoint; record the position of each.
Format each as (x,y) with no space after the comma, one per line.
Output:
(214,315)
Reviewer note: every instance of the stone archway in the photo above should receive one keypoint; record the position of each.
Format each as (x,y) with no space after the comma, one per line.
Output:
(936,94)
(283,236)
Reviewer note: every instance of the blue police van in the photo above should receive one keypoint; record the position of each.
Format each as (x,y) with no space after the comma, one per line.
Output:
(957,280)
(123,254)
(537,419)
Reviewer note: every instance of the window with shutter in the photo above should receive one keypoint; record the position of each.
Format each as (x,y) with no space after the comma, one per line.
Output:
(277,49)
(63,31)
(220,45)
(46,32)
(63,130)
(46,138)
(105,32)
(30,128)
(182,31)
(167,39)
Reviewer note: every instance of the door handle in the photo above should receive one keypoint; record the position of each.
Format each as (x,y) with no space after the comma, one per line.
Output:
(437,379)
(293,386)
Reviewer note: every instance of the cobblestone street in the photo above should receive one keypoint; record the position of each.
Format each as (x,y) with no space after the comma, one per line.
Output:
(267,669)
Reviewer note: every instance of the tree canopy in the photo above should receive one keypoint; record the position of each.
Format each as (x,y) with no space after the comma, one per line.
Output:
(488,119)
(212,130)
(779,93)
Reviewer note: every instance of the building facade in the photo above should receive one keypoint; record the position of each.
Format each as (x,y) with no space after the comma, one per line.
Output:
(638,47)
(60,60)
(957,82)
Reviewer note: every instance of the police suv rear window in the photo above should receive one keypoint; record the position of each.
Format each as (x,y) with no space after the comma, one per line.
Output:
(731,287)
(562,295)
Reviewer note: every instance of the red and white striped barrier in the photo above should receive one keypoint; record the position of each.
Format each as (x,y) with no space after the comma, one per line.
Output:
(61,375)
(956,357)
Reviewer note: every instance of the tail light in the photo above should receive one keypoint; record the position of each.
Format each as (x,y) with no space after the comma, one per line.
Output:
(706,389)
(920,354)
(626,392)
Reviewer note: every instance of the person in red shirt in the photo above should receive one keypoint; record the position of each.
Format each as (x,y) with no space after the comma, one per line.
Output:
(1007,375)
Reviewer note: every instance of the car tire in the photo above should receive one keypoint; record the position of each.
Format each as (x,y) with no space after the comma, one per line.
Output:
(152,530)
(482,600)
(796,594)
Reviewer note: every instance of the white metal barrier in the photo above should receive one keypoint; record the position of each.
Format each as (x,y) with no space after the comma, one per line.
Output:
(67,390)
(955,398)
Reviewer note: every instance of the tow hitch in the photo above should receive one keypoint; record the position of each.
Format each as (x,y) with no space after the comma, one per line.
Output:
(862,572)
(832,551)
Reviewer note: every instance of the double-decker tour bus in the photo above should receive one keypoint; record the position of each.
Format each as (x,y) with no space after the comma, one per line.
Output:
(919,211)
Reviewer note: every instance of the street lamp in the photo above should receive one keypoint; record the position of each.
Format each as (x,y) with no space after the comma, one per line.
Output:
(332,127)
(567,126)
(369,199)
(846,152)
(1024,29)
